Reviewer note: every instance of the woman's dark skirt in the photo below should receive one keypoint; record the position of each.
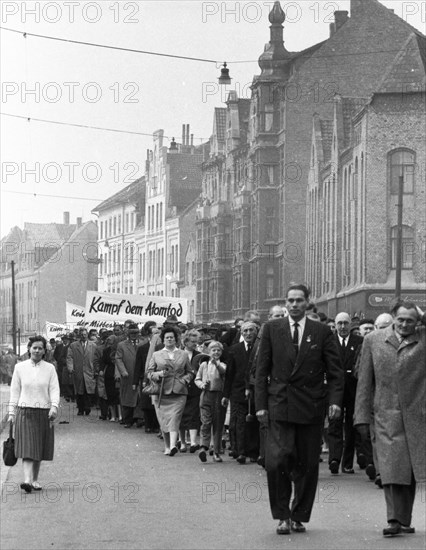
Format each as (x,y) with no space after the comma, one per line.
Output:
(34,434)
(191,413)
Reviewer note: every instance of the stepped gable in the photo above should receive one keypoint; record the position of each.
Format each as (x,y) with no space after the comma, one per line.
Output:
(407,72)
(136,190)
(185,179)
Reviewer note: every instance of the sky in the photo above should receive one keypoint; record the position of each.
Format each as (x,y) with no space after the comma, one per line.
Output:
(49,168)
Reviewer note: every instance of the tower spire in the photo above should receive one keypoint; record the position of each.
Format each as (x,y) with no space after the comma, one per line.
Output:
(273,60)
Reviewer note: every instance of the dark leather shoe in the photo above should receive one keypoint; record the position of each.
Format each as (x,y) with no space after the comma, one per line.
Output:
(407,529)
(193,448)
(202,455)
(241,459)
(298,527)
(362,461)
(87,412)
(283,527)
(261,461)
(173,451)
(80,413)
(393,528)
(232,454)
(127,425)
(378,481)
(348,470)
(334,467)
(27,487)
(217,458)
(370,470)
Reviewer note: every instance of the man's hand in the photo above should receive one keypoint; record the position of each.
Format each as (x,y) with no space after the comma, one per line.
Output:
(11,418)
(224,401)
(263,417)
(247,394)
(125,374)
(334,411)
(134,387)
(53,413)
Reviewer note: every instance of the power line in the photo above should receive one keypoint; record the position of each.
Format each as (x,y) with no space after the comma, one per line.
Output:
(51,196)
(106,46)
(47,121)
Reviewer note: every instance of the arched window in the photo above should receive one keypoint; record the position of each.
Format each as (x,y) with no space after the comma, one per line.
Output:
(402,163)
(407,247)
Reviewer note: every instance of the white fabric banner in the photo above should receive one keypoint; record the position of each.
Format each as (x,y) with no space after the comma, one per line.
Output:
(76,318)
(117,308)
(55,330)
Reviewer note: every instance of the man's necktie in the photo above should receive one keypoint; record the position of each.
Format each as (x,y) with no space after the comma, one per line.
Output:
(343,344)
(249,348)
(296,337)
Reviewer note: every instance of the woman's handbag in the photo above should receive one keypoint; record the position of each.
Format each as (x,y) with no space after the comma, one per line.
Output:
(152,388)
(9,457)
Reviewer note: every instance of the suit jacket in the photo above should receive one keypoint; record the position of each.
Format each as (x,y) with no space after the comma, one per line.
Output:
(292,387)
(180,375)
(348,358)
(80,361)
(236,373)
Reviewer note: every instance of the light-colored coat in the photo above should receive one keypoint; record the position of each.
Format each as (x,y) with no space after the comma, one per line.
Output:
(180,373)
(392,383)
(80,364)
(125,359)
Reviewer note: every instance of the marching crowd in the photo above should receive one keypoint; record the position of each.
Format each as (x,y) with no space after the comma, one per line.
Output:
(280,394)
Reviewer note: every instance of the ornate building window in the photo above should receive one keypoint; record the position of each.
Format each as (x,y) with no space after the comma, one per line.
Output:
(407,248)
(401,163)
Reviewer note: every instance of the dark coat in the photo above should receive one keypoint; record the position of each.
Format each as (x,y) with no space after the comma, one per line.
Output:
(290,387)
(392,379)
(236,373)
(125,359)
(348,357)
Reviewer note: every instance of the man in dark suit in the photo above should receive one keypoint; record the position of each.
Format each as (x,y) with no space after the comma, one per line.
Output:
(295,356)
(236,390)
(340,450)
(80,364)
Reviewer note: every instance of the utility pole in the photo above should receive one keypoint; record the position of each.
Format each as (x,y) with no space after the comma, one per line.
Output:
(398,266)
(12,263)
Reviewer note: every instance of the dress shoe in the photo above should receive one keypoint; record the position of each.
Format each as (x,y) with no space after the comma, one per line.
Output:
(261,461)
(407,529)
(348,471)
(87,412)
(393,528)
(232,454)
(241,459)
(362,461)
(102,418)
(370,470)
(334,467)
(217,458)
(378,481)
(202,455)
(193,448)
(211,452)
(298,527)
(283,527)
(183,449)
(36,486)
(127,425)
(80,413)
(27,487)
(173,451)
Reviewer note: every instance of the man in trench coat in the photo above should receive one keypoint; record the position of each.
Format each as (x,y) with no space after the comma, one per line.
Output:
(392,380)
(125,360)
(80,364)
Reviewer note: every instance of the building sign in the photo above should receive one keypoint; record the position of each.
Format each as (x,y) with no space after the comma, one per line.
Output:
(387,300)
(117,308)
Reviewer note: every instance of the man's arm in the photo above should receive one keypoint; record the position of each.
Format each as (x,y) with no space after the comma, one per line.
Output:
(335,375)
(365,386)
(263,370)
(119,363)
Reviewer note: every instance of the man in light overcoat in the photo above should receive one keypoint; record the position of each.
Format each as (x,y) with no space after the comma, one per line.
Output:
(80,364)
(125,359)
(392,381)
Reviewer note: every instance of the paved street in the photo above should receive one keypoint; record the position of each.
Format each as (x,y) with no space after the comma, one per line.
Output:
(113,488)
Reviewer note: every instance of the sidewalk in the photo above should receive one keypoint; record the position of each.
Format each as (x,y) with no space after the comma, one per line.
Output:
(4,400)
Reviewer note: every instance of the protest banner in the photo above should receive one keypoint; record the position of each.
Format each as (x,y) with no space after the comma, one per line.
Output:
(76,318)
(55,330)
(117,308)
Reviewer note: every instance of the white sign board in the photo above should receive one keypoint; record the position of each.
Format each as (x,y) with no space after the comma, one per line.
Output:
(117,308)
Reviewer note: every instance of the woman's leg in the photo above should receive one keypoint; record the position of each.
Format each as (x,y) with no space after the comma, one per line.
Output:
(166,437)
(193,437)
(28,470)
(36,469)
(182,439)
(173,438)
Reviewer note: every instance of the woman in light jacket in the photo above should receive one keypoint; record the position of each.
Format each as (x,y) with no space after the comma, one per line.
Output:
(171,368)
(33,405)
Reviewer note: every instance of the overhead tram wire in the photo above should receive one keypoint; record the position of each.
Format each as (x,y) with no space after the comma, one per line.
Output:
(47,121)
(50,196)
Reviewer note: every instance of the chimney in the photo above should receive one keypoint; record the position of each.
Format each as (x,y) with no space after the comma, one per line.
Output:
(183,135)
(66,218)
(192,140)
(340,18)
(187,134)
(79,222)
(332,29)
